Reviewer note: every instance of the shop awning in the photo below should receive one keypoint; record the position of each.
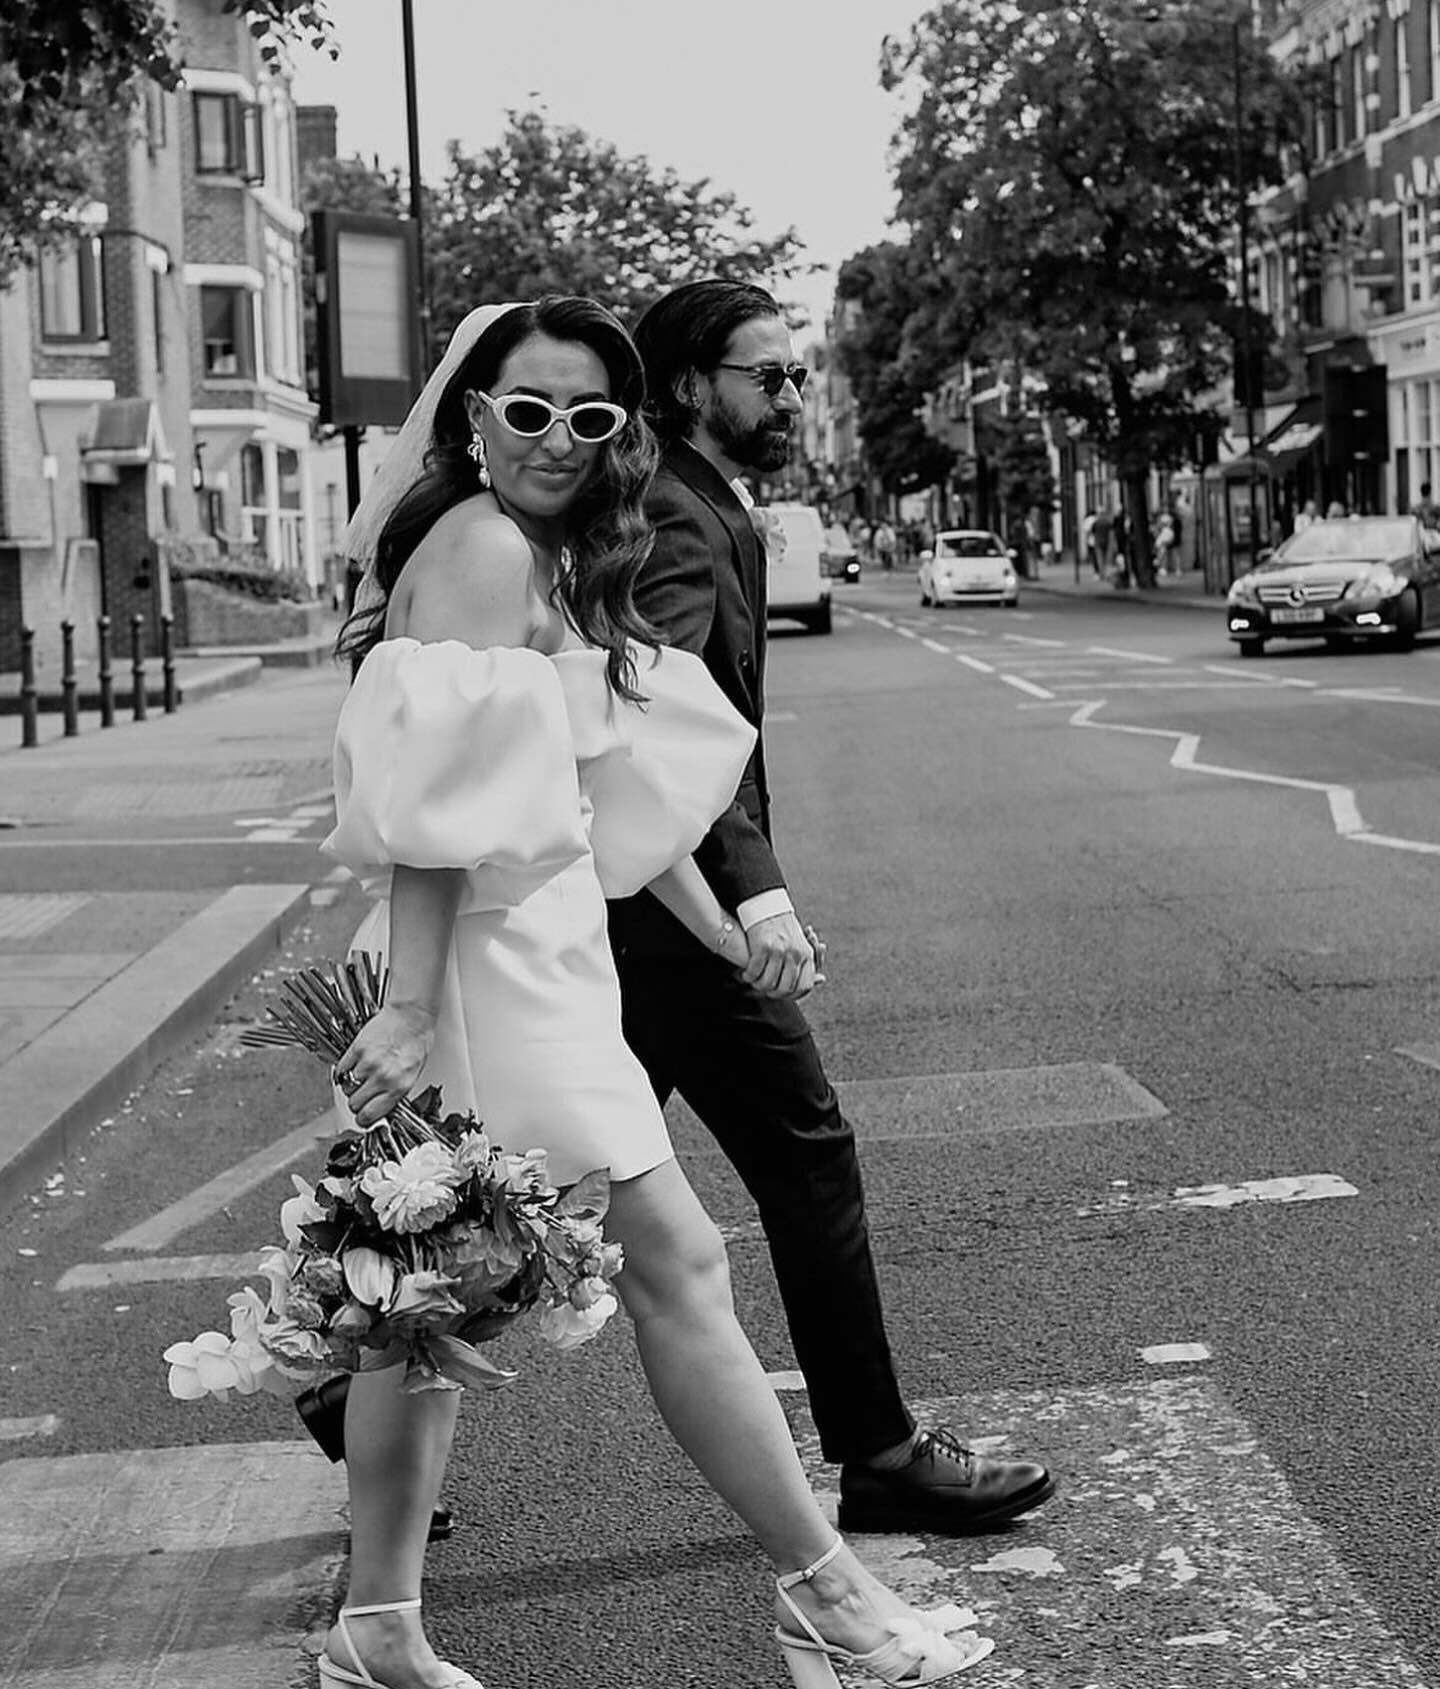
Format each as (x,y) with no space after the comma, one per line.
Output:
(1295,437)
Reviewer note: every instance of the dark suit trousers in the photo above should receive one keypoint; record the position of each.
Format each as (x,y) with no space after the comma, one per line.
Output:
(747,1065)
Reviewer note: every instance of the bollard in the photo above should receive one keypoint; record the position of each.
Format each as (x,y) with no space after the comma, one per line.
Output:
(167,663)
(137,664)
(29,716)
(107,679)
(69,686)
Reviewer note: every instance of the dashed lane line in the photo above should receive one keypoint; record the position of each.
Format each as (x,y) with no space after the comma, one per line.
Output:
(1027,686)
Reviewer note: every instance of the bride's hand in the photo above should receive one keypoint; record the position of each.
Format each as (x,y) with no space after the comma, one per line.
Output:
(381,1067)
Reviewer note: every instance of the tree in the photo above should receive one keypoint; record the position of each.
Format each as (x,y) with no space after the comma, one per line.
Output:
(1073,174)
(550,209)
(889,374)
(70,77)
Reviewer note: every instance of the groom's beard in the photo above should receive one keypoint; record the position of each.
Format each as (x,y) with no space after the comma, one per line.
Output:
(763,446)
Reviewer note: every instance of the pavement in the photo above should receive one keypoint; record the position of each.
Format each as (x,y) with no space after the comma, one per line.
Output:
(101,982)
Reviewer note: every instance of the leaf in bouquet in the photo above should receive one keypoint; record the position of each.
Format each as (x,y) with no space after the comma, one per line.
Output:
(328,1236)
(588,1198)
(463,1364)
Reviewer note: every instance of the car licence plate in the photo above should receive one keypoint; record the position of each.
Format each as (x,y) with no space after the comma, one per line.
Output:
(1312,613)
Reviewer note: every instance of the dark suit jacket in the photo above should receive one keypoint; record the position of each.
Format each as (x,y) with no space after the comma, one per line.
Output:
(703,587)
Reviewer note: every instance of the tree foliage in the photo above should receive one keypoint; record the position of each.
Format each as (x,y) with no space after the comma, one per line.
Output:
(1072,175)
(889,373)
(70,78)
(548,208)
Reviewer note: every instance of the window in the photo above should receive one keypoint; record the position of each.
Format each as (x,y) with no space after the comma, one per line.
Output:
(1402,67)
(72,290)
(1357,88)
(228,137)
(157,317)
(156,118)
(1337,102)
(225,326)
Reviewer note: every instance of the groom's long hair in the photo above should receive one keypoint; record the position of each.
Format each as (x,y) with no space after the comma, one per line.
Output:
(608,533)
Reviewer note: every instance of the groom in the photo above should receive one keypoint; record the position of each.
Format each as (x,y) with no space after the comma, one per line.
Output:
(724,397)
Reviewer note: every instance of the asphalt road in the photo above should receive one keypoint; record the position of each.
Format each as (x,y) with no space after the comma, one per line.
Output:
(1127,939)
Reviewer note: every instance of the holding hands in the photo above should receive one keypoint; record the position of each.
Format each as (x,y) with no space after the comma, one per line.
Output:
(784,958)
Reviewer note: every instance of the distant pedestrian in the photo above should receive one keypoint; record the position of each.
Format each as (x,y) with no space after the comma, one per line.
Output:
(1102,537)
(1309,512)
(885,545)
(1425,509)
(1334,510)
(1165,544)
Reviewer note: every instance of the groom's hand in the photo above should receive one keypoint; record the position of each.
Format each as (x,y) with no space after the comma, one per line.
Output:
(782,961)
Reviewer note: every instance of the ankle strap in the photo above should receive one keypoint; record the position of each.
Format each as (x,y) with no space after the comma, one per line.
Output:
(384,1607)
(804,1575)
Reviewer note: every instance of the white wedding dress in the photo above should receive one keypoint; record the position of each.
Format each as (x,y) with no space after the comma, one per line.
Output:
(552,794)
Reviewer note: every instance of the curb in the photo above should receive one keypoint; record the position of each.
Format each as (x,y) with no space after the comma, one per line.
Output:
(218,676)
(1128,595)
(58,1087)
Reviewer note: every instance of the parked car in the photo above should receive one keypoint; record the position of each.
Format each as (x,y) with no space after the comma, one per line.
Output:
(1343,579)
(969,566)
(840,558)
(798,585)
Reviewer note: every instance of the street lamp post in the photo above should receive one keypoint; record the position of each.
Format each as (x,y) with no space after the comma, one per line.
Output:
(1247,360)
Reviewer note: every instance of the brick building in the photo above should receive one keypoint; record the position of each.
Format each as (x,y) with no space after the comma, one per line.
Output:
(152,388)
(1346,258)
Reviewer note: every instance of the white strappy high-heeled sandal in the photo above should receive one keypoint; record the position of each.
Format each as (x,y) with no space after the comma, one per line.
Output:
(334,1676)
(917,1652)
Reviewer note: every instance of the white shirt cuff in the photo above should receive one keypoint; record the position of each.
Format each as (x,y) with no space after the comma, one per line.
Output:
(763,906)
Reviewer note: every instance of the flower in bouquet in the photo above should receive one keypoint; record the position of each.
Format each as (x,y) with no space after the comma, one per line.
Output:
(421,1240)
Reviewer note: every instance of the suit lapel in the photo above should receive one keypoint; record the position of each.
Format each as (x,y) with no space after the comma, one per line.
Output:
(706,482)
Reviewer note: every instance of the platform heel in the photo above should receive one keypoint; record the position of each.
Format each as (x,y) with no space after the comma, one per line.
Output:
(333,1676)
(915,1654)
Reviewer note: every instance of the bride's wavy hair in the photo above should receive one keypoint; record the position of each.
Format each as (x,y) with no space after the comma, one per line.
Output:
(606,528)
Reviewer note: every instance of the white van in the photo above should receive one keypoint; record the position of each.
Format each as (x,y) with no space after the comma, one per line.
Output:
(799,586)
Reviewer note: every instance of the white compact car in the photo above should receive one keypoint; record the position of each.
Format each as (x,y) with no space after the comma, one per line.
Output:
(969,566)
(799,587)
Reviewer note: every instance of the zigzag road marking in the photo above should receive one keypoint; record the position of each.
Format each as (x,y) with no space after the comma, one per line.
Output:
(1344,810)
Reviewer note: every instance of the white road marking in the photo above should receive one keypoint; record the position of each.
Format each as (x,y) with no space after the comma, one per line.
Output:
(20,1430)
(160,1269)
(1428,1055)
(1029,686)
(1174,1354)
(1035,639)
(1344,810)
(935,645)
(786,1380)
(1127,656)
(1302,1187)
(217,1194)
(974,663)
(1256,678)
(1167,1494)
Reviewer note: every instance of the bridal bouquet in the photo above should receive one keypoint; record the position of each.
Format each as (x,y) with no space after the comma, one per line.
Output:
(422,1240)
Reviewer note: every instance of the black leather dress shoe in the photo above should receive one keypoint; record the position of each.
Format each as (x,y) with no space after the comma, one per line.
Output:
(946,1488)
(322,1409)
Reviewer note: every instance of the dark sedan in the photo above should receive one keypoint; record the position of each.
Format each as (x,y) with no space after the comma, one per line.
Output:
(1343,579)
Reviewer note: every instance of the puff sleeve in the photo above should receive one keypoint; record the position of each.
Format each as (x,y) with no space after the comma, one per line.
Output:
(449,757)
(657,774)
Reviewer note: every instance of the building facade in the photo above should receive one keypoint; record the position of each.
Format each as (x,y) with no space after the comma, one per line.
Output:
(1346,259)
(152,384)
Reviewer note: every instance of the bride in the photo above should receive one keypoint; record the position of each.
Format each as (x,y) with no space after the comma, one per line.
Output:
(516,747)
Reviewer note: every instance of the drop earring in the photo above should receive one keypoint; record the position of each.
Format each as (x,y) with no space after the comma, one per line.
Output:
(475,451)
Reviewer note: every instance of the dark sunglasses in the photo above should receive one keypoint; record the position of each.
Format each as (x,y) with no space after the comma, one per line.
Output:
(591,421)
(770,378)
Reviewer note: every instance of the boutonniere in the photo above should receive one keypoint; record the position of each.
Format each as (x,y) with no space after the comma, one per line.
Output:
(771,531)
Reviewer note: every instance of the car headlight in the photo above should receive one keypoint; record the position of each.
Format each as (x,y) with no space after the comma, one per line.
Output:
(1242,591)
(1381,581)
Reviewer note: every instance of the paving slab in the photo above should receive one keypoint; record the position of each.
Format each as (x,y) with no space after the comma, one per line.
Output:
(56,1086)
(167,1568)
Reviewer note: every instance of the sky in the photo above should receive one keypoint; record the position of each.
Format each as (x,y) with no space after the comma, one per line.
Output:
(776,101)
